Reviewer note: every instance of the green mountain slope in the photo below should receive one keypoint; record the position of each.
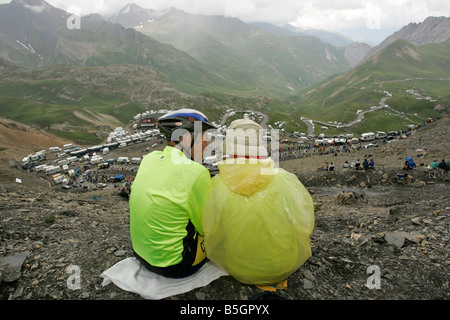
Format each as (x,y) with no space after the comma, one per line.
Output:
(79,102)
(35,34)
(398,68)
(84,104)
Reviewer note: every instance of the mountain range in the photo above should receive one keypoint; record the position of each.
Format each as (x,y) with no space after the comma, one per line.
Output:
(261,62)
(35,34)
(72,81)
(196,53)
(431,30)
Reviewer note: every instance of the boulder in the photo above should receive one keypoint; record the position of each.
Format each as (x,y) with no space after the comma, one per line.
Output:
(13,265)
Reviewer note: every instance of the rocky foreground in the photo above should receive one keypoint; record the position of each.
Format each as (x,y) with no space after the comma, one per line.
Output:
(407,241)
(372,239)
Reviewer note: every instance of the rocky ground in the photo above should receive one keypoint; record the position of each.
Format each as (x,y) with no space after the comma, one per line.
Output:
(364,227)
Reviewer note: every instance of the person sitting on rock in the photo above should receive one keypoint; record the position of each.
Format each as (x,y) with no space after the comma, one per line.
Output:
(434,165)
(358,165)
(366,164)
(258,218)
(405,166)
(411,164)
(167,198)
(443,165)
(371,164)
(346,165)
(331,167)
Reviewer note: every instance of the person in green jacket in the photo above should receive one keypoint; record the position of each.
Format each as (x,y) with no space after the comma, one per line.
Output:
(167,198)
(434,165)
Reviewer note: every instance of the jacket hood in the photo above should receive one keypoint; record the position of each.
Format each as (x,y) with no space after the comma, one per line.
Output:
(245,177)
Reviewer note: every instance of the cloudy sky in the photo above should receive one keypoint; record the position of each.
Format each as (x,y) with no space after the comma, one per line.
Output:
(361,20)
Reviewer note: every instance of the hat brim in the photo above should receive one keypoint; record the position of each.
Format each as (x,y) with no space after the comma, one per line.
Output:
(235,149)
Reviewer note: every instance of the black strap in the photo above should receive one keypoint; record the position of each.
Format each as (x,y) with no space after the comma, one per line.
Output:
(188,256)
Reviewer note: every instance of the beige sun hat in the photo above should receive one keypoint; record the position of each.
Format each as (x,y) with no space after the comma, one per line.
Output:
(244,138)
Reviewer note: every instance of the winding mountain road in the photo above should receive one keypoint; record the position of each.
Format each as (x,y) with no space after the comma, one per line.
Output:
(360,116)
(310,124)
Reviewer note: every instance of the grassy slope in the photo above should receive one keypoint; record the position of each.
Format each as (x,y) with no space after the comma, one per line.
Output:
(398,68)
(49,96)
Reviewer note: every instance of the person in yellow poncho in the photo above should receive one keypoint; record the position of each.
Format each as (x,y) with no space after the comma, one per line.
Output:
(257,219)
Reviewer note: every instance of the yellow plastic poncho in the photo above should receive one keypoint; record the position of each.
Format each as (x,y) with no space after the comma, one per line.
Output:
(257,222)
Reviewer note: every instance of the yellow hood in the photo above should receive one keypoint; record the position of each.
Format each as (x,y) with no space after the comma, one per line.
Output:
(244,176)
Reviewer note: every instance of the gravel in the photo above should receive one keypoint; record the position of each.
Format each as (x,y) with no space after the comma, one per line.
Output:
(388,242)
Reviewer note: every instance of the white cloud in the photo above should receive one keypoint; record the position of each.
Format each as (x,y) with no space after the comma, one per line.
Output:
(358,18)
(37,9)
(345,16)
(372,14)
(238,8)
(275,11)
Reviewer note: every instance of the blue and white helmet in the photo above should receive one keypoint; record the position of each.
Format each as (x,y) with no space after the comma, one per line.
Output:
(183,119)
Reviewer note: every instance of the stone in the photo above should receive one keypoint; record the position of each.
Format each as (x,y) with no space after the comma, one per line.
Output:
(14,265)
(307,284)
(18,293)
(200,295)
(395,238)
(120,253)
(345,198)
(351,179)
(69,213)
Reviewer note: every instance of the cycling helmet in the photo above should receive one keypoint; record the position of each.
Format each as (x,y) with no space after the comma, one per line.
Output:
(183,119)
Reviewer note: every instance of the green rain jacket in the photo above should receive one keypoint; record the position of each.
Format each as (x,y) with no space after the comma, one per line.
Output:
(167,195)
(257,222)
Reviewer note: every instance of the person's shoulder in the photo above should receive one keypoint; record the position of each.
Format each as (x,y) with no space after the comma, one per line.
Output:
(281,173)
(192,170)
(150,156)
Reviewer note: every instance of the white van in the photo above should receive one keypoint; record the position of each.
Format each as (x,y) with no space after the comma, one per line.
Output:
(41,168)
(72,159)
(369,136)
(55,149)
(136,160)
(68,146)
(381,135)
(58,179)
(121,160)
(52,170)
(96,160)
